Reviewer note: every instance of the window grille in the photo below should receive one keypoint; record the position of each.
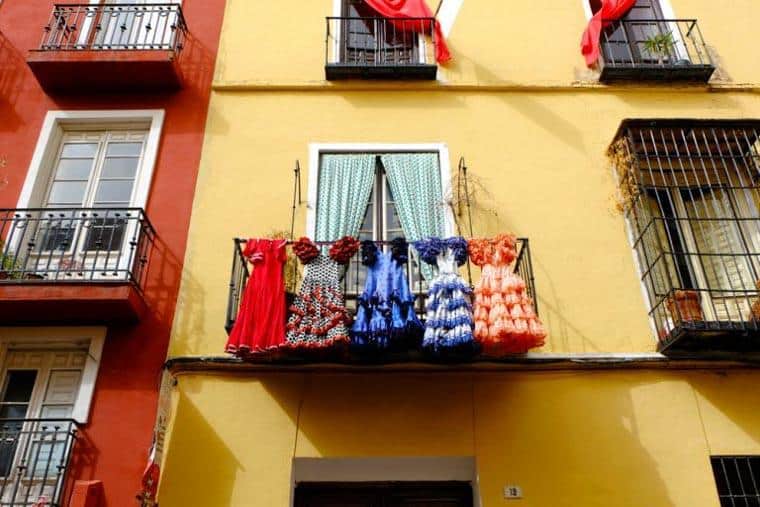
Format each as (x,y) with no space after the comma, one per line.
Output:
(690,191)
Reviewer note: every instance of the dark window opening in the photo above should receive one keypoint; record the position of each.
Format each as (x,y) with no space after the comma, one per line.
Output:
(737,479)
(386,494)
(370,39)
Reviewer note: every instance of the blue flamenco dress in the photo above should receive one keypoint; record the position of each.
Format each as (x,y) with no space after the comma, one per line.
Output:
(449,319)
(385,318)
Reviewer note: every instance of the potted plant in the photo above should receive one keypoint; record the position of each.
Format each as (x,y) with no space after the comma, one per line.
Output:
(684,306)
(661,46)
(7,263)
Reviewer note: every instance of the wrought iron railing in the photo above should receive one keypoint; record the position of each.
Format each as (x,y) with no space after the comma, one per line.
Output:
(655,44)
(107,26)
(380,43)
(353,278)
(35,455)
(60,245)
(691,192)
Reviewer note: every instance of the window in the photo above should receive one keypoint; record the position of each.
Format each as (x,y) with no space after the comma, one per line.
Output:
(396,494)
(92,170)
(737,479)
(380,223)
(79,215)
(369,39)
(380,194)
(39,392)
(692,196)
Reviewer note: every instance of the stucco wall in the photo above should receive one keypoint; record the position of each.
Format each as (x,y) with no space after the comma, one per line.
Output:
(626,438)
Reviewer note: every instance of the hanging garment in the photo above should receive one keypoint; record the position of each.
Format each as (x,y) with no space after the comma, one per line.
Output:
(505,319)
(448,323)
(260,323)
(318,316)
(413,9)
(611,10)
(385,317)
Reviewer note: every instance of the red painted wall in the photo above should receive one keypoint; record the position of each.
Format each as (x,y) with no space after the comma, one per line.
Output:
(124,405)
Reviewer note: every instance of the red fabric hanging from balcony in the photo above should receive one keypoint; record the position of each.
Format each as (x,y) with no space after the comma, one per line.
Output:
(413,9)
(611,10)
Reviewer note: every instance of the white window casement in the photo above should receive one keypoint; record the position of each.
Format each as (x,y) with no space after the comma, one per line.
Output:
(89,178)
(61,366)
(46,386)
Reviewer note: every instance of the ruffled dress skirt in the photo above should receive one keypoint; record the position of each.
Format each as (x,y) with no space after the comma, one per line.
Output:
(449,323)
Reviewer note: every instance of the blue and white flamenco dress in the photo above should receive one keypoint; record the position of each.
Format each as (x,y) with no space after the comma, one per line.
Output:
(449,319)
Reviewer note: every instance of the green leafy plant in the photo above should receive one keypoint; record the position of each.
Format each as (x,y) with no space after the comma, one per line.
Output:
(8,262)
(660,45)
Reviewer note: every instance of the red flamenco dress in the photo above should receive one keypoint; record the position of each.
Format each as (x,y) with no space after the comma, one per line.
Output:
(260,323)
(504,316)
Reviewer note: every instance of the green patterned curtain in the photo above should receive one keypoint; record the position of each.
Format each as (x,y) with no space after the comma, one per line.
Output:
(415,180)
(345,184)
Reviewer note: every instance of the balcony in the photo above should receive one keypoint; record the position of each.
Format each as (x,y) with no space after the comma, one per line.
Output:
(654,50)
(380,48)
(353,284)
(73,265)
(691,193)
(110,47)
(35,457)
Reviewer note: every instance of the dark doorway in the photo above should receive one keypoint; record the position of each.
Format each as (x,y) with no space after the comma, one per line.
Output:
(384,494)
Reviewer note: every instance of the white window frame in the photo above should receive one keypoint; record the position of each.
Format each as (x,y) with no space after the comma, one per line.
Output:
(50,339)
(39,174)
(51,133)
(317,149)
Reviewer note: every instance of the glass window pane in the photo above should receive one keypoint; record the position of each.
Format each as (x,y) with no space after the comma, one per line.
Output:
(119,167)
(86,150)
(114,191)
(123,149)
(74,169)
(67,192)
(56,411)
(19,385)
(14,411)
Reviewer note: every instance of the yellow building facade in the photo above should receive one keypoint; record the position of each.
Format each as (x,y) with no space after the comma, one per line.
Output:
(597,416)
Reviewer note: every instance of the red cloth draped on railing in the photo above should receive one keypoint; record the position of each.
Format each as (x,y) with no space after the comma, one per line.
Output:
(413,9)
(611,10)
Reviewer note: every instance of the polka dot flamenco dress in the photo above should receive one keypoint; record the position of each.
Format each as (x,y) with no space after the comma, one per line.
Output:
(505,319)
(318,316)
(448,320)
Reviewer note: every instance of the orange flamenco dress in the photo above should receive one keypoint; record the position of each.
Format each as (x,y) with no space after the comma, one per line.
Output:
(504,316)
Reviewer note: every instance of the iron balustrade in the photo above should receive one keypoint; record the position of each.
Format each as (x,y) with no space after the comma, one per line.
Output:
(152,26)
(691,192)
(354,276)
(60,245)
(658,49)
(35,456)
(380,47)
